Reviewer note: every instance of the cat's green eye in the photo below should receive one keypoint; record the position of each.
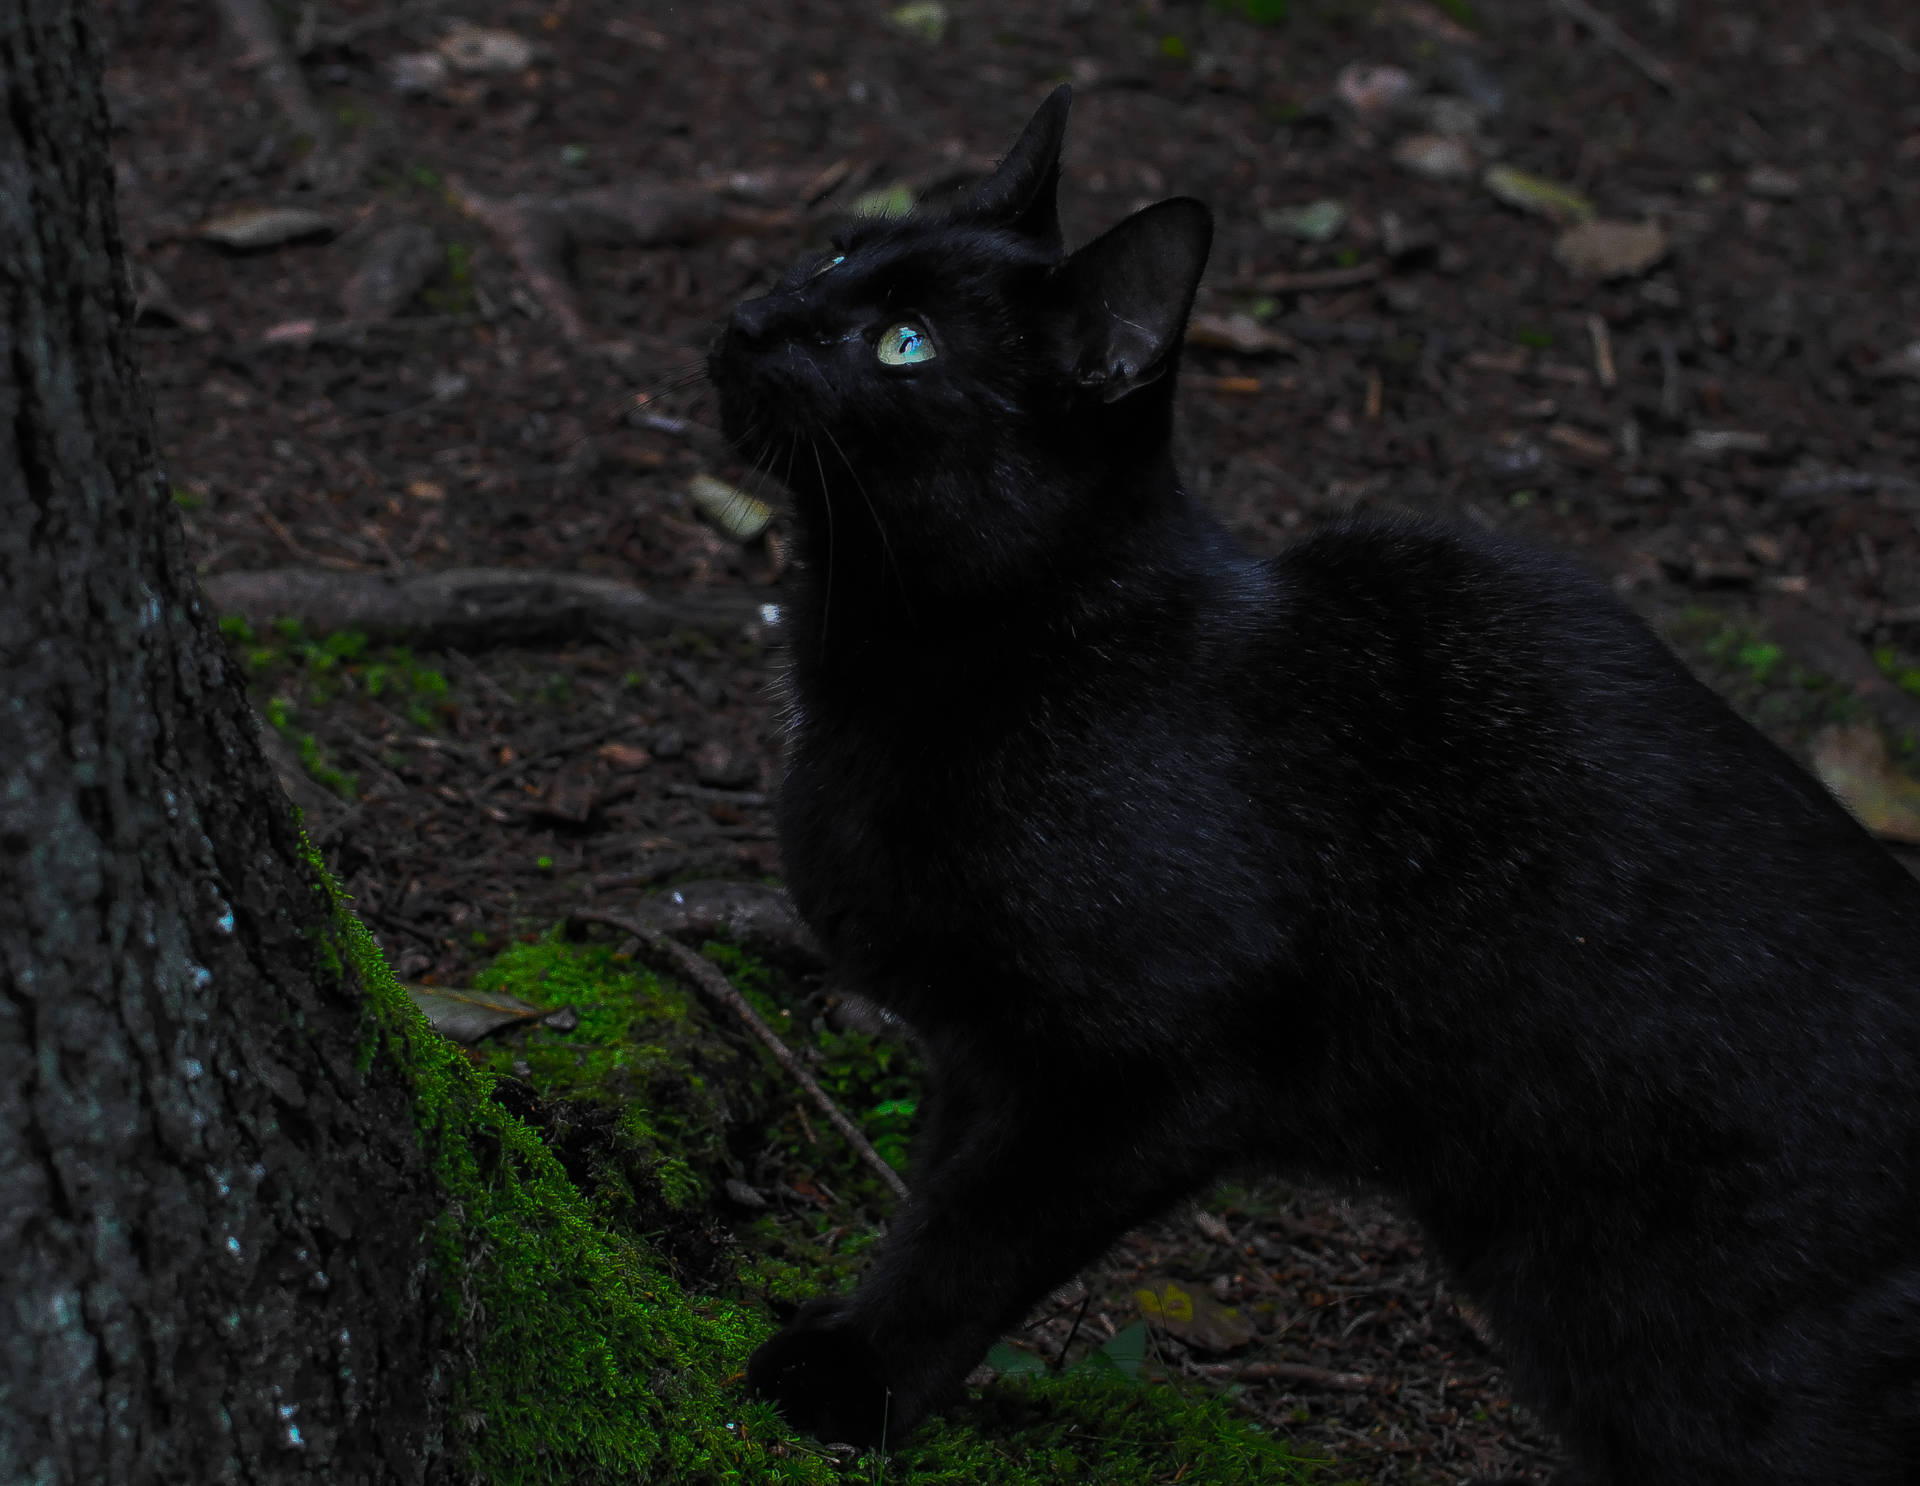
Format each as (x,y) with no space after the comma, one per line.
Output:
(905,345)
(833,262)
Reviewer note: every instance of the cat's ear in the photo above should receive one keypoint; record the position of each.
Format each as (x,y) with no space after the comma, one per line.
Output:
(1127,294)
(1021,194)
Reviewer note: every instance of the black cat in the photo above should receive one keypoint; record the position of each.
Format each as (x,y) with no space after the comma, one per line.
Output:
(1407,857)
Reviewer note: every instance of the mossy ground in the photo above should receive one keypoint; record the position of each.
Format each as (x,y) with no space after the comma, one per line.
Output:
(595,1350)
(1788,701)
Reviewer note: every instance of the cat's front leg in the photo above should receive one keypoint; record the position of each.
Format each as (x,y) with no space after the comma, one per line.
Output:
(1016,1191)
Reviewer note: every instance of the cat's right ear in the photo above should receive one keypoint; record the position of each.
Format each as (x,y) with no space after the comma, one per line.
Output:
(1021,194)
(1127,294)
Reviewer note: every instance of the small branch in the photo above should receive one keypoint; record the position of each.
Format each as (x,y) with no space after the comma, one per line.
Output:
(348,32)
(1603,366)
(708,978)
(1316,1377)
(1889,46)
(294,545)
(1325,278)
(267,52)
(541,232)
(468,608)
(1607,31)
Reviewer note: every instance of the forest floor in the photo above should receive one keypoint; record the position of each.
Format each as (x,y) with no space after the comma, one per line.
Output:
(1725,420)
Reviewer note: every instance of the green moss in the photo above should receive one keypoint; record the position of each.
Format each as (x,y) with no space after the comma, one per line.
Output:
(1790,702)
(1092,1430)
(1896,669)
(585,1360)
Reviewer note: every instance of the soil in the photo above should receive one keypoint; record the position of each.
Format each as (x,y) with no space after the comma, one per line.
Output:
(1732,434)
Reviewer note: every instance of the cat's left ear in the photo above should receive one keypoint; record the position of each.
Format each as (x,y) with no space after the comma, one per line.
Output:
(1021,194)
(1127,294)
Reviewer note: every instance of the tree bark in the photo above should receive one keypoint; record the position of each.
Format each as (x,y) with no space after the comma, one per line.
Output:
(213,1218)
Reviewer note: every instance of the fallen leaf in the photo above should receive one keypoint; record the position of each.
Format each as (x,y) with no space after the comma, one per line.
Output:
(1706,443)
(624,755)
(715,764)
(1316,222)
(1610,250)
(1772,181)
(1373,88)
(1511,363)
(1194,1316)
(1434,157)
(1852,761)
(1233,386)
(485,49)
(1902,363)
(570,796)
(290,333)
(926,19)
(1241,333)
(416,72)
(1588,446)
(1533,193)
(250,228)
(736,513)
(466,1016)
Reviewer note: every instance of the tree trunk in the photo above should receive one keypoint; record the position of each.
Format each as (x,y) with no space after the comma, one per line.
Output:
(213,1215)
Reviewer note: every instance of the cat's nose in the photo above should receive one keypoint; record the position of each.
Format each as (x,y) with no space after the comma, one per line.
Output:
(753,320)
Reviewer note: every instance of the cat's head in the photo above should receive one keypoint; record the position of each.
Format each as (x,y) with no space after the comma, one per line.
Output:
(956,387)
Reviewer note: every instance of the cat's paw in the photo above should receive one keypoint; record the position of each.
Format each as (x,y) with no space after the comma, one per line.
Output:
(825,1377)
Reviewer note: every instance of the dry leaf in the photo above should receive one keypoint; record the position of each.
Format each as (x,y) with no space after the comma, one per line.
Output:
(1852,761)
(1194,1316)
(467,1016)
(625,755)
(1610,250)
(249,228)
(1241,333)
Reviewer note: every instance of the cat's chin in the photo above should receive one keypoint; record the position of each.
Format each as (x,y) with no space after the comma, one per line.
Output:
(826,1378)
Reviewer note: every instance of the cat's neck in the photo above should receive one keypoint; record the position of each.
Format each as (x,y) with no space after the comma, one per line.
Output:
(860,614)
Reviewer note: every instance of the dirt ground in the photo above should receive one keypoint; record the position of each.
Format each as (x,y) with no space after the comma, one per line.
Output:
(1730,428)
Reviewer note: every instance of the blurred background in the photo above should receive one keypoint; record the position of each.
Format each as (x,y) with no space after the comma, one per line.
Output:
(423,293)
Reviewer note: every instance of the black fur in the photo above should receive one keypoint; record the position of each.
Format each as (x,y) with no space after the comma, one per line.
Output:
(1408,857)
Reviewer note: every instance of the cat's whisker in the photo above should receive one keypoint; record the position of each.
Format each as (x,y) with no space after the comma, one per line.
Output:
(826,502)
(886,545)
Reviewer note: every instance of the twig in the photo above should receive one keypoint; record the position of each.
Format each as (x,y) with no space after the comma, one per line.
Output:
(469,608)
(1607,31)
(347,32)
(1889,46)
(295,546)
(1324,278)
(1603,366)
(297,335)
(710,980)
(1301,1372)
(267,52)
(540,232)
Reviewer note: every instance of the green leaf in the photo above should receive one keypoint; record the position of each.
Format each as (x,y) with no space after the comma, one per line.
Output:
(1011,1362)
(1127,1348)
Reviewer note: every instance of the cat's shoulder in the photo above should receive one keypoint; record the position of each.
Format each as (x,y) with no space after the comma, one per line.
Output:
(1440,574)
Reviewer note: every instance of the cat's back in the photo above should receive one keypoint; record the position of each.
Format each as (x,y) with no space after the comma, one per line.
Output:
(1450,675)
